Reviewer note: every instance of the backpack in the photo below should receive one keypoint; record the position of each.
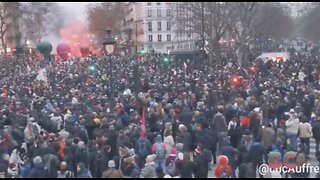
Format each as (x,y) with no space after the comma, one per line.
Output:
(171,168)
(160,153)
(225,174)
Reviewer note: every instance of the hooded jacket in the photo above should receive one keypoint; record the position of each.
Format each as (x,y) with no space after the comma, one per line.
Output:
(219,123)
(256,152)
(247,141)
(223,166)
(39,171)
(84,172)
(157,144)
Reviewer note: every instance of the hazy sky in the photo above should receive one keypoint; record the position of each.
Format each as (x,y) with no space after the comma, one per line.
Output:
(75,9)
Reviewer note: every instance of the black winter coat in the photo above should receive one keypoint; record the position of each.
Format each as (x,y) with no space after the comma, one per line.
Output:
(81,156)
(201,168)
(186,169)
(39,171)
(186,139)
(316,131)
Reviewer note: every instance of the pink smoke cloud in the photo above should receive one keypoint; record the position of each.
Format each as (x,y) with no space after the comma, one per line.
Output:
(76,34)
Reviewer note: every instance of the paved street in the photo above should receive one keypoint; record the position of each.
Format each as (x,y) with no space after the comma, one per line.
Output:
(313,161)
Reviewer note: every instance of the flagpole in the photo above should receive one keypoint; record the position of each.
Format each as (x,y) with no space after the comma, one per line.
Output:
(143,131)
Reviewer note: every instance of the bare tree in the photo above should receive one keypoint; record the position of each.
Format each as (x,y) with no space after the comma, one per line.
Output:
(9,14)
(40,18)
(215,18)
(105,15)
(244,19)
(274,20)
(309,22)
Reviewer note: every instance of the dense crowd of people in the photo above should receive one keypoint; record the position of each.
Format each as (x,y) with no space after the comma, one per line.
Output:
(83,122)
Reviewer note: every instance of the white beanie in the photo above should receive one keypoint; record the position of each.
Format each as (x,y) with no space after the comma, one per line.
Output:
(150,158)
(81,144)
(37,160)
(111,164)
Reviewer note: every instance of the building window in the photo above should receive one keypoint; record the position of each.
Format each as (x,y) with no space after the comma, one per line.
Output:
(159,12)
(149,3)
(168,25)
(149,26)
(149,13)
(168,12)
(150,38)
(159,38)
(168,37)
(159,26)
(158,3)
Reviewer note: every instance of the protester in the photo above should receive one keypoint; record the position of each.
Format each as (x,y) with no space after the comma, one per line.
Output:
(82,171)
(223,170)
(84,116)
(149,170)
(64,172)
(39,170)
(112,172)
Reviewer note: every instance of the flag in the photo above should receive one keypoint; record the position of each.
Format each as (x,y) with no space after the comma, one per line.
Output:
(28,69)
(143,131)
(88,82)
(42,76)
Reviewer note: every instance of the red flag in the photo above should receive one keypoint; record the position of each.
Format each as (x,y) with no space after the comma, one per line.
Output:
(88,82)
(143,131)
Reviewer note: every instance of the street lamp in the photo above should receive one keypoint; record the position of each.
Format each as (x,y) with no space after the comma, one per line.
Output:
(109,47)
(108,43)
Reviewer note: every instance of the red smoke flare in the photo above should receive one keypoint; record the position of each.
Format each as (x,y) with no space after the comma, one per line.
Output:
(76,34)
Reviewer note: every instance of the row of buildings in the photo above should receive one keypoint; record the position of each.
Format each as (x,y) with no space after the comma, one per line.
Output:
(152,26)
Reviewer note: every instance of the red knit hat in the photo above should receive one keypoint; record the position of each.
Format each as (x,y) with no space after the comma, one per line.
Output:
(223,160)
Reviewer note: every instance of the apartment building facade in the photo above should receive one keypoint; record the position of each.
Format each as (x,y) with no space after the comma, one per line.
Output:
(152,26)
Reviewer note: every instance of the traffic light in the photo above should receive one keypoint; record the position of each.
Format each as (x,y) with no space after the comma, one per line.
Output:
(92,69)
(166,60)
(143,52)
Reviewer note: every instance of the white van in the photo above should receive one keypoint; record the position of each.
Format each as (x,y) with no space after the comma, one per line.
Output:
(274,56)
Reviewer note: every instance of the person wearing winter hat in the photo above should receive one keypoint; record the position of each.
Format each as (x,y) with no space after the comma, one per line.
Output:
(39,170)
(185,138)
(179,147)
(82,171)
(149,170)
(37,160)
(81,145)
(112,172)
(292,126)
(160,150)
(223,168)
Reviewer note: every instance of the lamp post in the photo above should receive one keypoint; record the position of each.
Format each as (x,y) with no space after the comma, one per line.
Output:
(109,47)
